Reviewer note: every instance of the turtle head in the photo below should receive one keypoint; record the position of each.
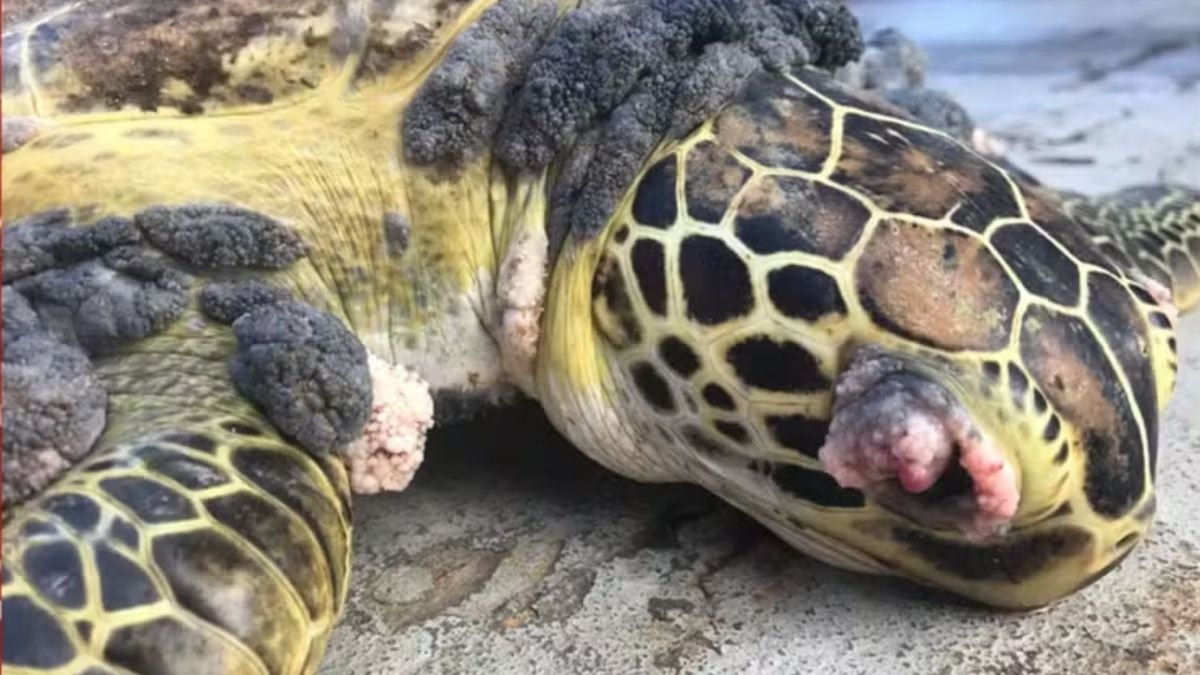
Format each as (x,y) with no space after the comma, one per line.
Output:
(1012,472)
(968,399)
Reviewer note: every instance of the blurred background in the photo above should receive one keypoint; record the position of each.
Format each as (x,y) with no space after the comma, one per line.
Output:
(1068,84)
(512,553)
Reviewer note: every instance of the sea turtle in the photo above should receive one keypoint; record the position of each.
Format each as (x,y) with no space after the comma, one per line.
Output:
(247,242)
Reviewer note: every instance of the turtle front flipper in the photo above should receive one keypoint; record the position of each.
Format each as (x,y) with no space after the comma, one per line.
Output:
(195,539)
(1153,230)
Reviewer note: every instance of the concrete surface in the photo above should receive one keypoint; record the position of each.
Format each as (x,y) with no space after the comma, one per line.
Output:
(512,553)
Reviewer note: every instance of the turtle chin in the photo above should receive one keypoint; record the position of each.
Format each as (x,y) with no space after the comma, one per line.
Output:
(911,446)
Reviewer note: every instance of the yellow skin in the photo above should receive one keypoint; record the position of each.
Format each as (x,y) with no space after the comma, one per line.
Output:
(257,588)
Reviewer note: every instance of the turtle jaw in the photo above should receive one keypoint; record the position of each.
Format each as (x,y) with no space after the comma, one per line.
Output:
(909,443)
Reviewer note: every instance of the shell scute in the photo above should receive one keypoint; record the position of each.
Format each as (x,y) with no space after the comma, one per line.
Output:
(923,173)
(778,125)
(939,287)
(199,57)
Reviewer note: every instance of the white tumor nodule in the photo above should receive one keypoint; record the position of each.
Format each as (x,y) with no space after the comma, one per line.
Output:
(392,446)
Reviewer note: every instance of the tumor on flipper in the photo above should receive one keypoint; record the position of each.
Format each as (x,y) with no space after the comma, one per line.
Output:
(306,370)
(49,240)
(461,103)
(391,448)
(126,294)
(216,236)
(54,405)
(227,301)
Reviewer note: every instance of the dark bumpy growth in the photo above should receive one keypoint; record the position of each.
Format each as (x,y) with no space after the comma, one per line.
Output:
(71,291)
(47,240)
(460,106)
(54,405)
(306,371)
(610,83)
(598,58)
(613,82)
(228,300)
(126,294)
(218,236)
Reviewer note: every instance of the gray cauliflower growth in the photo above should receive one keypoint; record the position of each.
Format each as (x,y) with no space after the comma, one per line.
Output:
(647,71)
(306,371)
(397,232)
(219,236)
(54,405)
(19,317)
(226,301)
(594,183)
(718,76)
(127,294)
(48,239)
(597,57)
(460,105)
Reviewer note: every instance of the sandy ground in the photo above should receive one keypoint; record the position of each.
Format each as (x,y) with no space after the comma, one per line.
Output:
(512,553)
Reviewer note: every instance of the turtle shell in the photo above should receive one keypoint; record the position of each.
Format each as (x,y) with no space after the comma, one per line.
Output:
(182,56)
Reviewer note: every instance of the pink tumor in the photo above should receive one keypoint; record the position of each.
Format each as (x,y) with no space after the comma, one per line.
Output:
(891,424)
(392,445)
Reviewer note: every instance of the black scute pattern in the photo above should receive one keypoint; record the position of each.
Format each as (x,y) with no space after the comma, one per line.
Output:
(32,637)
(155,646)
(803,434)
(123,584)
(794,214)
(281,538)
(716,396)
(191,473)
(195,562)
(1042,268)
(1120,325)
(650,270)
(763,363)
(816,487)
(282,477)
(713,178)
(733,431)
(150,501)
(804,293)
(55,570)
(1115,475)
(1015,560)
(79,511)
(716,282)
(653,388)
(655,204)
(678,356)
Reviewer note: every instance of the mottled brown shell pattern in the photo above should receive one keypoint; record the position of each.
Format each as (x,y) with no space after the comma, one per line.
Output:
(97,56)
